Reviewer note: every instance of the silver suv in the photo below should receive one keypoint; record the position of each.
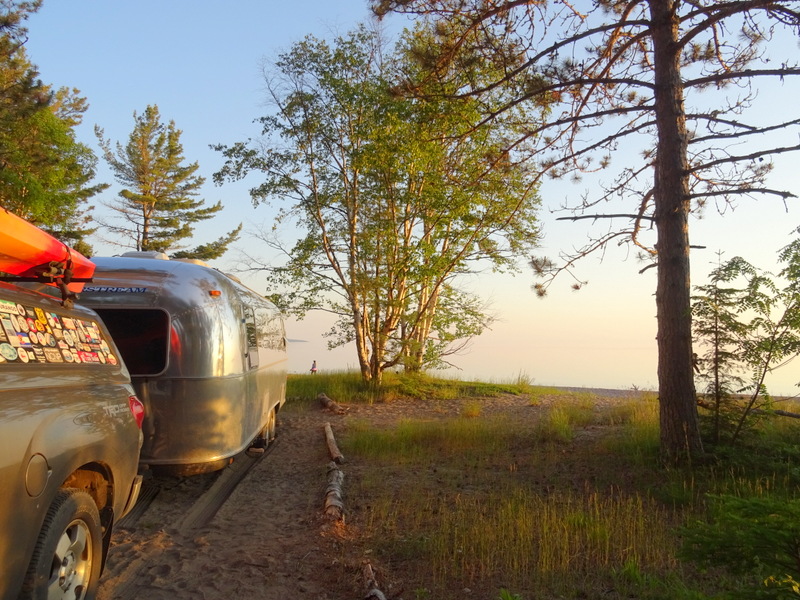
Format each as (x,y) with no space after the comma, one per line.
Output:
(70,437)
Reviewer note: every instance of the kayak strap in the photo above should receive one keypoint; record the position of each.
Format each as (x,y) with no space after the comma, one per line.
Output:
(55,273)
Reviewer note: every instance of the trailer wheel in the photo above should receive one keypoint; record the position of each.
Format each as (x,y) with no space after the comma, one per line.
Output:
(67,557)
(267,435)
(272,424)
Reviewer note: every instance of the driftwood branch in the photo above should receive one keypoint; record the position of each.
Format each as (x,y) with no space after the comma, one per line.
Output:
(334,505)
(373,593)
(760,411)
(333,449)
(780,413)
(330,405)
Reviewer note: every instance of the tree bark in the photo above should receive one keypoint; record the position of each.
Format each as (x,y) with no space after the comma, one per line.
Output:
(680,434)
(360,327)
(334,505)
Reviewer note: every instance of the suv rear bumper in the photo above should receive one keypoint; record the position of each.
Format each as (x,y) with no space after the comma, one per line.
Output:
(136,487)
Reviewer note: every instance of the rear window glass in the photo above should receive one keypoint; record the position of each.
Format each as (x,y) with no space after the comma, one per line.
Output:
(142,336)
(29,334)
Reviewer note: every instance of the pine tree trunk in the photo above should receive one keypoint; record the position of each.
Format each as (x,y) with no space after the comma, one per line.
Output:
(680,435)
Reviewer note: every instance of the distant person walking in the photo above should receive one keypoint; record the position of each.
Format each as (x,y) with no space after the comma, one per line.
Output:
(314,368)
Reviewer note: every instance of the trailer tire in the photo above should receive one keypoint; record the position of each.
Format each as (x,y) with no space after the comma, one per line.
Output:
(272,425)
(267,435)
(67,558)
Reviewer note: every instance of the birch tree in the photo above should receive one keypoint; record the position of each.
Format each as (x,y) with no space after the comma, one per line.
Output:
(394,201)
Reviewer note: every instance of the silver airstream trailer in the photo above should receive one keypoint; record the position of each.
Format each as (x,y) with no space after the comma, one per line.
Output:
(206,354)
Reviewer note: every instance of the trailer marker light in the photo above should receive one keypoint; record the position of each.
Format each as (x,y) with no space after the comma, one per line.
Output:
(215,293)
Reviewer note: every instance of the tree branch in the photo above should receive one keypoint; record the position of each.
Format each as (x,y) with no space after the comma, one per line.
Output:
(745,157)
(610,216)
(746,190)
(746,74)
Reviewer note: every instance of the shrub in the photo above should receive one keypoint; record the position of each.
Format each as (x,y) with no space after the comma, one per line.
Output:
(756,537)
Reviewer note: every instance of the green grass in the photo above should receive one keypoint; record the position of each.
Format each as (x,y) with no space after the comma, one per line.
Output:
(476,510)
(415,441)
(575,506)
(539,540)
(347,386)
(637,437)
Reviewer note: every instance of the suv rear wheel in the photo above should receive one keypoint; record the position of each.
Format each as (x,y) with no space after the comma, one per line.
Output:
(68,554)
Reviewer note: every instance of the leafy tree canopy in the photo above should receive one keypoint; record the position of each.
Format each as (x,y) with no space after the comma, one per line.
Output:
(45,173)
(396,198)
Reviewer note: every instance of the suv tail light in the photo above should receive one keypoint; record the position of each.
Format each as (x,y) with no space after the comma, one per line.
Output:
(137,410)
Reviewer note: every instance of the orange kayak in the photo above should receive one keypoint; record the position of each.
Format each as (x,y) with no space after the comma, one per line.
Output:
(27,251)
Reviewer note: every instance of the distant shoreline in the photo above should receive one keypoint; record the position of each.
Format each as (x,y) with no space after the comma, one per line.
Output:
(608,392)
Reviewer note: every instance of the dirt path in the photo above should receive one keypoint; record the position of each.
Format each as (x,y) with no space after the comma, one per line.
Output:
(265,542)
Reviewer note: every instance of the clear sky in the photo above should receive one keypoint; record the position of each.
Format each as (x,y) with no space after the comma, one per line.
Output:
(200,62)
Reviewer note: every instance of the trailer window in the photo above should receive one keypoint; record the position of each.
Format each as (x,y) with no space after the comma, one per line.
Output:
(251,336)
(142,336)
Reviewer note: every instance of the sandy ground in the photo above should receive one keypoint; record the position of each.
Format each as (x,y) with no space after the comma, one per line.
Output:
(270,540)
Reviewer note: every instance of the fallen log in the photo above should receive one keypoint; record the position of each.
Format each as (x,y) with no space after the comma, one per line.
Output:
(334,505)
(780,413)
(330,405)
(757,411)
(333,449)
(373,593)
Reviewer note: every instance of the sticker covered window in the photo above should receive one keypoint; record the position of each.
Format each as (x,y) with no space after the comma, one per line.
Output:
(31,335)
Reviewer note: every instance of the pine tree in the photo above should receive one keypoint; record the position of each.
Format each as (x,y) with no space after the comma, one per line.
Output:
(158,205)
(718,330)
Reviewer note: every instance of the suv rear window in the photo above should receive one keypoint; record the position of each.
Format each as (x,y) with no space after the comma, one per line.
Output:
(142,336)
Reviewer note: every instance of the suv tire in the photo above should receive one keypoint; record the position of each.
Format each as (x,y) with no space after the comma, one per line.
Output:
(67,557)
